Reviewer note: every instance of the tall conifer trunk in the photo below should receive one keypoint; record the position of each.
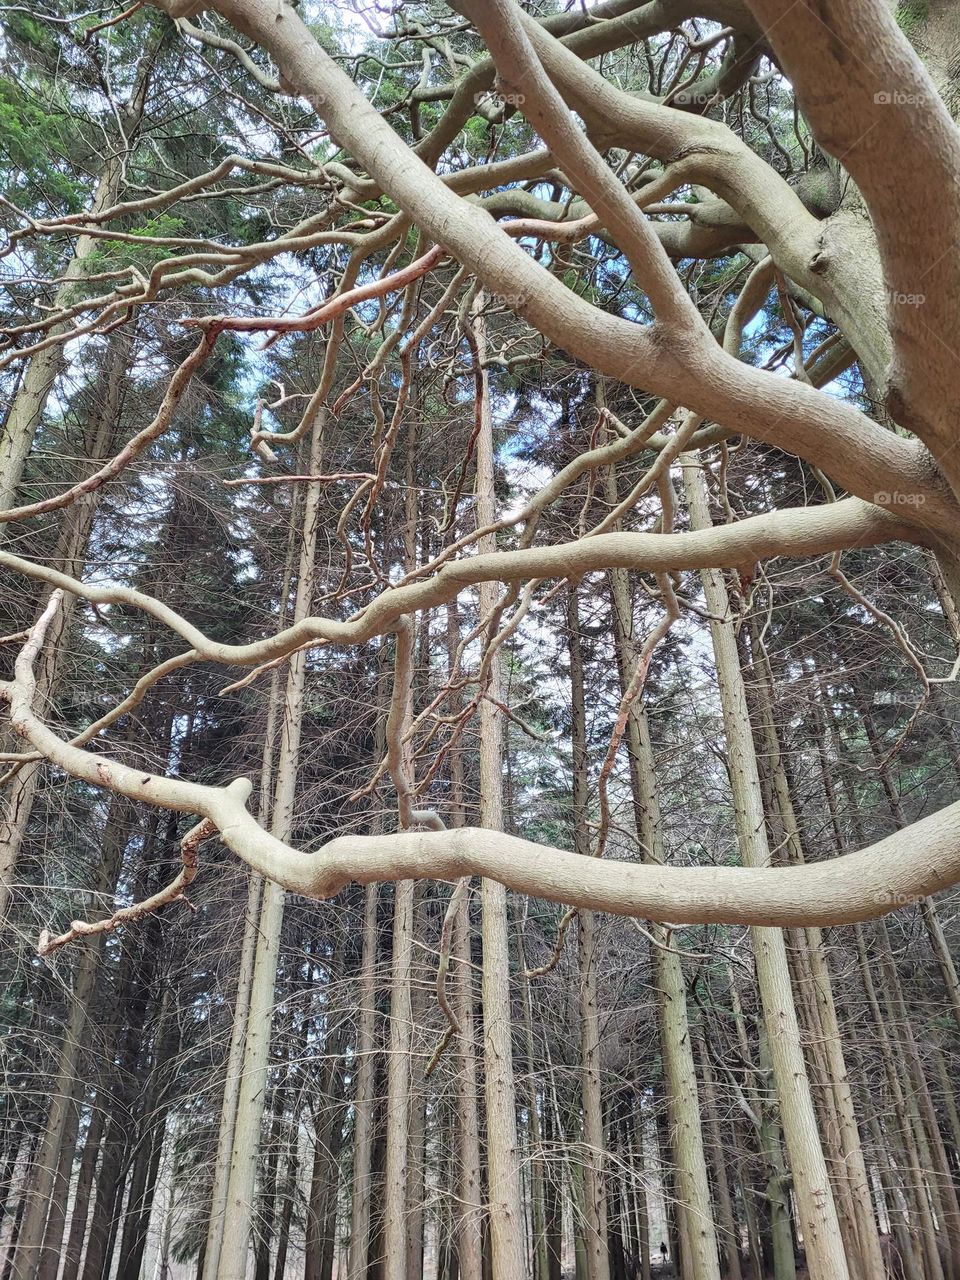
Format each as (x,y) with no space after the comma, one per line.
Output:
(818,1215)
(252,1095)
(503,1162)
(675,1037)
(594,1195)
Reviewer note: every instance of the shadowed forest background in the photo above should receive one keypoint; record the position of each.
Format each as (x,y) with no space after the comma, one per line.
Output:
(249,381)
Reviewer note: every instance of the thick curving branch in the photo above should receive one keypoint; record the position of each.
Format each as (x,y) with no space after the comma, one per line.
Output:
(805,531)
(868,97)
(521,72)
(838,266)
(684,366)
(904,867)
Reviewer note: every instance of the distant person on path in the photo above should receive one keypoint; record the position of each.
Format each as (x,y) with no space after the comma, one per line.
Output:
(663,1254)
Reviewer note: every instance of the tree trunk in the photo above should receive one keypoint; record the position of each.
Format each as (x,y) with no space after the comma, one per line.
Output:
(250,1103)
(234,1070)
(226,1131)
(506,1210)
(851,1167)
(72,542)
(538,1230)
(286,1215)
(267,1201)
(936,1160)
(399,1058)
(679,1068)
(553,1215)
(732,1245)
(81,1195)
(468,1215)
(818,1213)
(398,1087)
(363,1095)
(324,1183)
(147,1165)
(64,1092)
(643,1215)
(20,427)
(594,1197)
(914,1162)
(51,1249)
(417,1167)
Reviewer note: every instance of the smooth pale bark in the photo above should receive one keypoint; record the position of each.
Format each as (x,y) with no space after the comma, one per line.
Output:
(857,886)
(469,1215)
(398,1086)
(816,1207)
(245,968)
(365,1072)
(731,1243)
(503,1166)
(675,1037)
(864,109)
(851,1168)
(594,1141)
(282,19)
(804,531)
(250,1103)
(232,1080)
(679,360)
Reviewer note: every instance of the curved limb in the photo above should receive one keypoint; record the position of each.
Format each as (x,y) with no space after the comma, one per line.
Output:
(805,531)
(918,861)
(684,365)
